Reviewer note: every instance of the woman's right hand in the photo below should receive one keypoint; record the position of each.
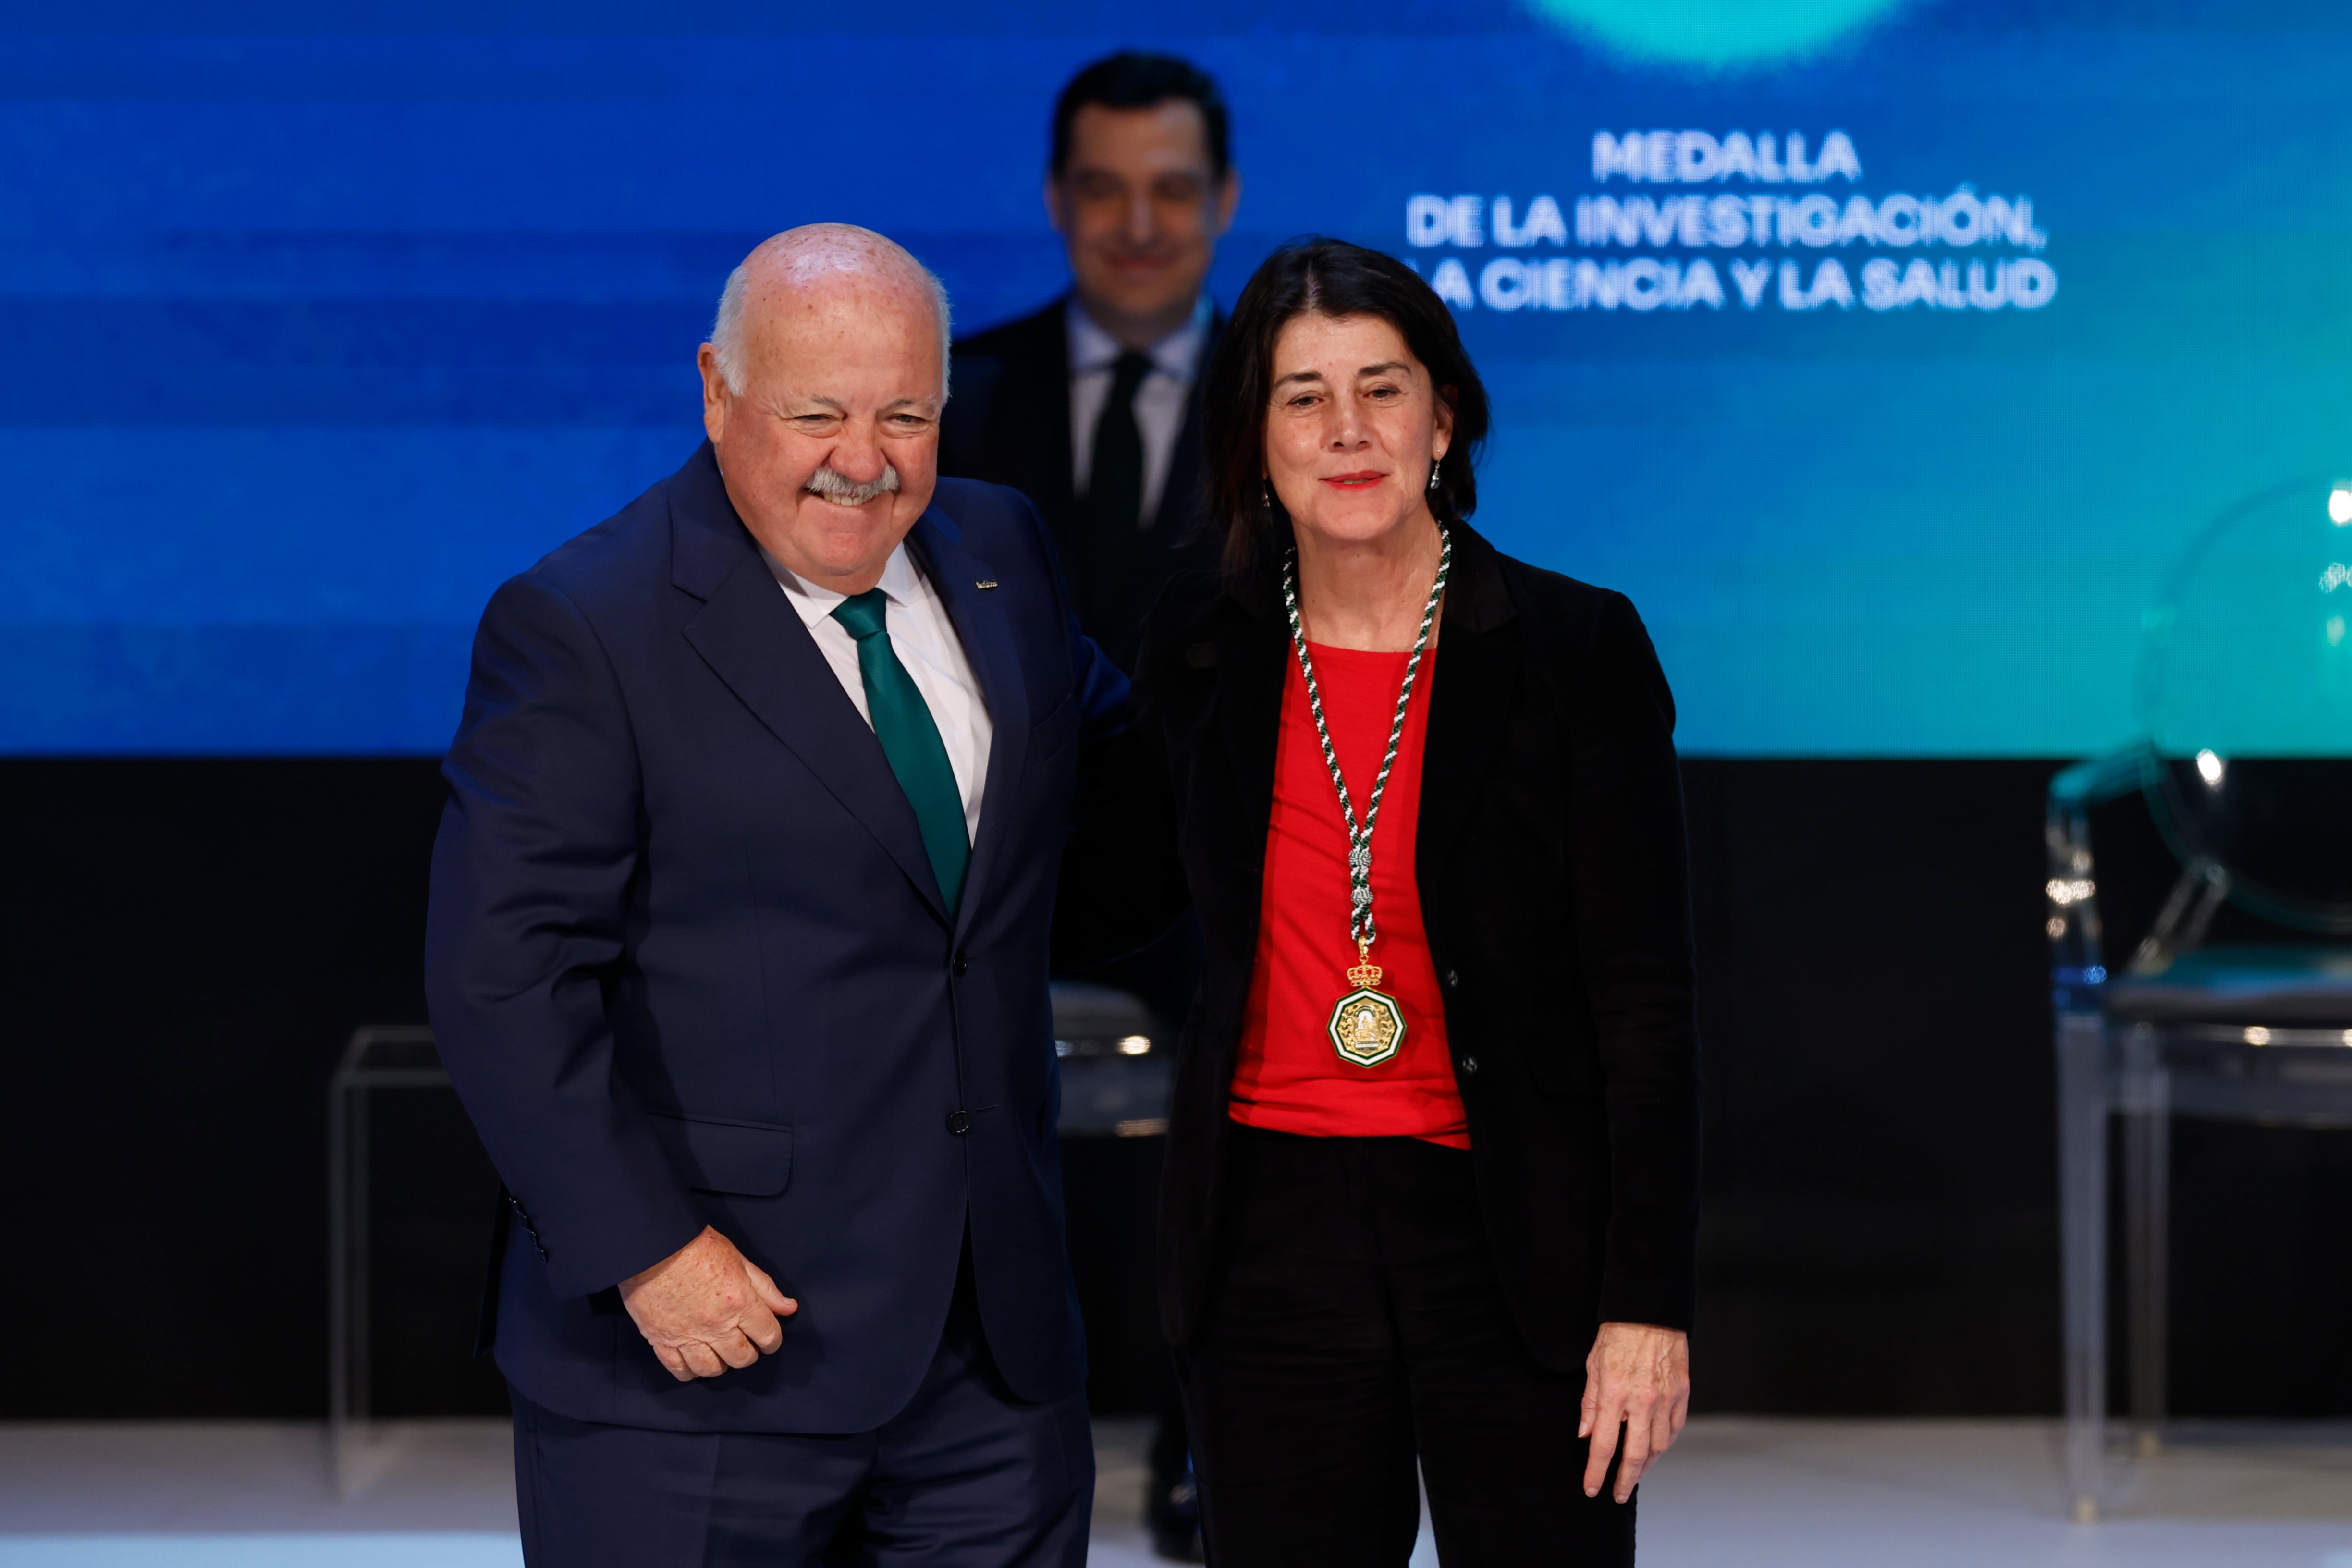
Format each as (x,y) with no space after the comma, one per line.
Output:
(1637,1378)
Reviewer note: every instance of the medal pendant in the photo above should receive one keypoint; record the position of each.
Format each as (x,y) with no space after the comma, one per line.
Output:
(1367,1025)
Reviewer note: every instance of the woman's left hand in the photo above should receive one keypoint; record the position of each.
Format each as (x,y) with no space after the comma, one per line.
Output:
(1638,1377)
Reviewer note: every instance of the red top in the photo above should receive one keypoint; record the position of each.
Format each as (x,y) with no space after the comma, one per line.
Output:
(1290,1076)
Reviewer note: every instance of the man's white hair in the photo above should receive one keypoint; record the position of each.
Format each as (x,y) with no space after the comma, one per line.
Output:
(727,328)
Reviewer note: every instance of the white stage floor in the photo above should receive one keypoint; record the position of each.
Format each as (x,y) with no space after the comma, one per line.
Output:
(1755,1493)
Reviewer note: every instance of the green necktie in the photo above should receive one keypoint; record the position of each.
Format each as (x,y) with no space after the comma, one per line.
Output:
(910,738)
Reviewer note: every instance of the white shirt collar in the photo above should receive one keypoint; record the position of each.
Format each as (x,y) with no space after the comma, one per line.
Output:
(1176,357)
(899,586)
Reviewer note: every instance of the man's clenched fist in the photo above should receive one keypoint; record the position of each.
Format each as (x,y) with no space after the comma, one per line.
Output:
(705,1308)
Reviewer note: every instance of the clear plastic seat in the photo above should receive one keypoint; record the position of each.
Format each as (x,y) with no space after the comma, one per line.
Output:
(1119,1063)
(2246,768)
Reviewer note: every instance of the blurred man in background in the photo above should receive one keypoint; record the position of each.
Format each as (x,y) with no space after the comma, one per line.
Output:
(1091,405)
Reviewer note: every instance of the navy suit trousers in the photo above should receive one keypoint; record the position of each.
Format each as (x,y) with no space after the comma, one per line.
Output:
(966,1476)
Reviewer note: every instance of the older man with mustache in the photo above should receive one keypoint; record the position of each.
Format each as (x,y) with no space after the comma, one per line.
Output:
(738,954)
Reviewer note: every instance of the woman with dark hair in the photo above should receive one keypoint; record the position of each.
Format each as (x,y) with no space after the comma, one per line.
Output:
(1431,1189)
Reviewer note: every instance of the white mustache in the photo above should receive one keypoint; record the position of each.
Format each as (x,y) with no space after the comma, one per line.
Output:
(843,491)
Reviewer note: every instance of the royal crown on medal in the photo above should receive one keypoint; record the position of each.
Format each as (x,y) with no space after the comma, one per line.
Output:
(1366,1025)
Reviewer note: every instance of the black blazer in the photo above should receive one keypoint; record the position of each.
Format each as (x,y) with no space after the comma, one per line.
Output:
(1553,885)
(1008,422)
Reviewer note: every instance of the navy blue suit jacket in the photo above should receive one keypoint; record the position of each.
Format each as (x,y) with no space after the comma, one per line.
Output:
(687,963)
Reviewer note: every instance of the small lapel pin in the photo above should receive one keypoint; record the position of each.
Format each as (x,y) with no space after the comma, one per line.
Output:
(985,582)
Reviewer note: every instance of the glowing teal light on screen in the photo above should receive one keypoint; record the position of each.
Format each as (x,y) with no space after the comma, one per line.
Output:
(1717,35)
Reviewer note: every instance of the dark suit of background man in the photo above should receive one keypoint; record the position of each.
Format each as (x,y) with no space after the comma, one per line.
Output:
(737,954)
(1091,406)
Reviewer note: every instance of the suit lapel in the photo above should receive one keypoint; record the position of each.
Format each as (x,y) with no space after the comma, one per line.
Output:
(1033,403)
(982,625)
(750,638)
(1179,521)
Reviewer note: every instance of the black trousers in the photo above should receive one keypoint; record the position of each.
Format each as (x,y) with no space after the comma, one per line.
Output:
(1356,1323)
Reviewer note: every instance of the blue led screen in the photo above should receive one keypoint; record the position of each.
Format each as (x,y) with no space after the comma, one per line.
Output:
(1887,354)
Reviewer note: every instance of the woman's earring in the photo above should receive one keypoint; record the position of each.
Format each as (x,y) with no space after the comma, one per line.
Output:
(1433,474)
(1266,489)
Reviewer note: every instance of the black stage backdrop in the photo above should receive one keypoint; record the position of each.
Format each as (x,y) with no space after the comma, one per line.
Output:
(189,942)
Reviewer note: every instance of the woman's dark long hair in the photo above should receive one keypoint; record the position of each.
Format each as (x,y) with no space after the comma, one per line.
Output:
(1330,278)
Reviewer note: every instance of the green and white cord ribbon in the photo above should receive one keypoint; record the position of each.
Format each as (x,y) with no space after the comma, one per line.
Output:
(1360,929)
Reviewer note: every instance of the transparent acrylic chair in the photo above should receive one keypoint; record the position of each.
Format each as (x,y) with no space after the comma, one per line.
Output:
(1117,1063)
(379,1060)
(2247,769)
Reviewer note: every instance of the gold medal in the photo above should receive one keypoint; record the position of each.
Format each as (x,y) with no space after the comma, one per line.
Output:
(1367,1025)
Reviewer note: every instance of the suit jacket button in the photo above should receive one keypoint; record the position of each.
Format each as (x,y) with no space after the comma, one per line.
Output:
(960,965)
(958,1122)
(1470,1065)
(1452,978)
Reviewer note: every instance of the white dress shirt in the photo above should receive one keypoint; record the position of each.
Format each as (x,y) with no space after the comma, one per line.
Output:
(927,644)
(1159,401)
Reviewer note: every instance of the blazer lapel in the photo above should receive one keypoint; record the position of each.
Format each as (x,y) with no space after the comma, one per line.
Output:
(1474,680)
(983,625)
(750,638)
(1253,662)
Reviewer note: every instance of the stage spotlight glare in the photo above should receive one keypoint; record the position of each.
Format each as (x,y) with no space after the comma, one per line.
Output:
(2339,505)
(2211,767)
